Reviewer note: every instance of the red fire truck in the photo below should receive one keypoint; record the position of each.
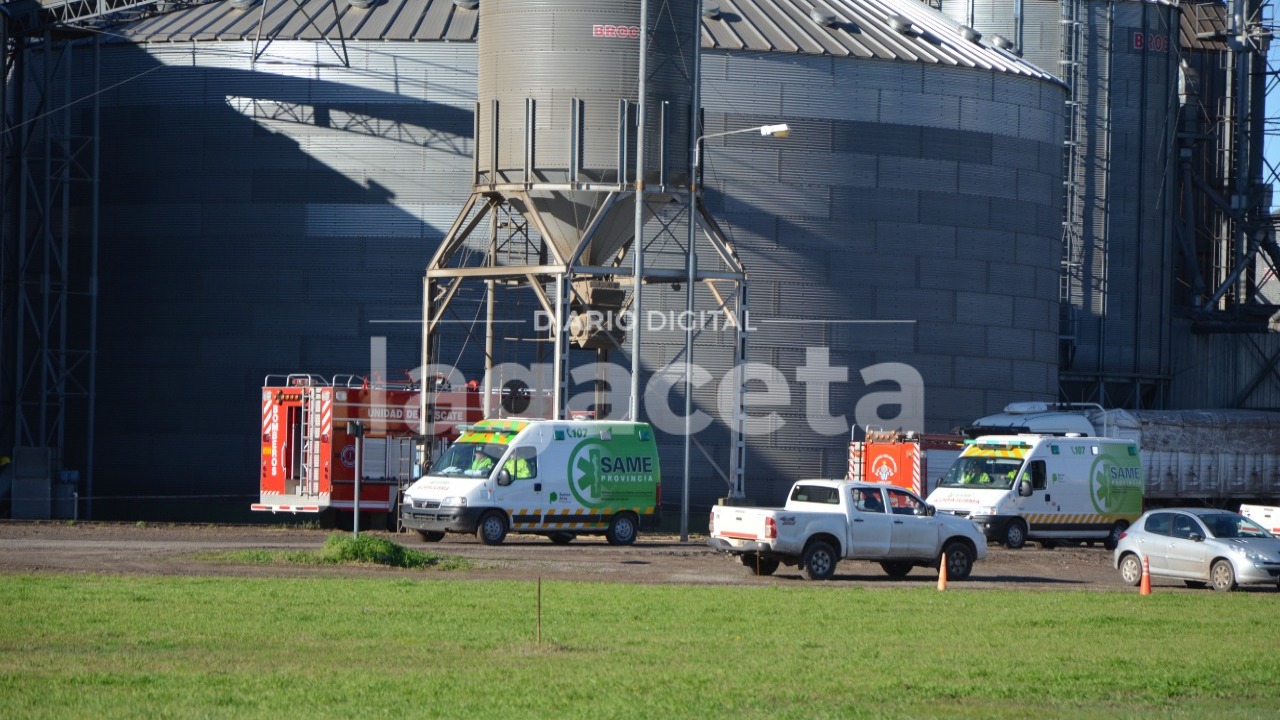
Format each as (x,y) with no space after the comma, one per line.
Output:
(910,460)
(316,432)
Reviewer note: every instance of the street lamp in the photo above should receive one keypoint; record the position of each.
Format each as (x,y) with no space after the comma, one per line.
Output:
(780,130)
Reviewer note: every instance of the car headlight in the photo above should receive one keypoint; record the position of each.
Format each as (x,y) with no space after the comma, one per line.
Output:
(454,501)
(1249,554)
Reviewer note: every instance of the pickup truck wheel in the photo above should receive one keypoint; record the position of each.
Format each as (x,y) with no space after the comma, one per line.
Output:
(430,535)
(492,528)
(819,561)
(758,565)
(896,569)
(1015,535)
(959,560)
(622,531)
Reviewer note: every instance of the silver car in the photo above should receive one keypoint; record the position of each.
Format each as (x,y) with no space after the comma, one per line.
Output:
(1199,546)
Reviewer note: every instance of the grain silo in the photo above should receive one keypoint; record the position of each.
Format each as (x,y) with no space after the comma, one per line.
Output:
(268,206)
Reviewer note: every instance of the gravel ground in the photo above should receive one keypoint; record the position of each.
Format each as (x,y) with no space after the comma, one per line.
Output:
(172,549)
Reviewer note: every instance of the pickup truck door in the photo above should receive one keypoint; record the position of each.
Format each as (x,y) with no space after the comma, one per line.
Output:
(913,536)
(870,526)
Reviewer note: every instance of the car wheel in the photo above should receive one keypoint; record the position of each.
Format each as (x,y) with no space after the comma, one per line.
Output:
(819,561)
(759,565)
(959,560)
(1197,584)
(896,569)
(1114,538)
(430,535)
(1130,569)
(1223,576)
(561,538)
(1015,535)
(492,529)
(622,531)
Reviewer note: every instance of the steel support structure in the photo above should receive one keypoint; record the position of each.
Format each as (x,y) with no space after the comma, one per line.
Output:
(51,155)
(1245,249)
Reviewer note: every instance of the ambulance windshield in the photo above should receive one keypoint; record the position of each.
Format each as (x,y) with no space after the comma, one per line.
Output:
(982,472)
(469,459)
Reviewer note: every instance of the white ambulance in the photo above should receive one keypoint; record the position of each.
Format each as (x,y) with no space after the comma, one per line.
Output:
(558,478)
(1044,487)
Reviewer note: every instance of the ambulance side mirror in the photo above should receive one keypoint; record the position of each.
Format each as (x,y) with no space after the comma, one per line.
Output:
(504,477)
(1024,488)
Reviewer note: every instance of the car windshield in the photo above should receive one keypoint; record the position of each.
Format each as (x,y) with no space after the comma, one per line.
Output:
(982,472)
(1229,525)
(471,459)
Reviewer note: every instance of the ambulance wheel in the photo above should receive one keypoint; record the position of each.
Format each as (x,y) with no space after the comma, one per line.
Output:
(430,535)
(492,529)
(561,538)
(1015,535)
(622,531)
(1113,538)
(959,560)
(819,561)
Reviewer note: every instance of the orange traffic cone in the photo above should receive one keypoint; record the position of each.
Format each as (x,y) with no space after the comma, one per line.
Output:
(1144,587)
(942,572)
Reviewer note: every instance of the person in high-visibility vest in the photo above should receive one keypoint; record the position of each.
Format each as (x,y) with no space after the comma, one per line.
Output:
(481,464)
(518,467)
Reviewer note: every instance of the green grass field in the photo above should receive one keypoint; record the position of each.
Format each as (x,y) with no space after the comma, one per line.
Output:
(426,645)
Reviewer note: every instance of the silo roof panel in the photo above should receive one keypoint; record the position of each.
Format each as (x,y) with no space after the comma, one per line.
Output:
(235,25)
(435,20)
(167,26)
(862,28)
(376,21)
(811,37)
(771,36)
(462,25)
(322,15)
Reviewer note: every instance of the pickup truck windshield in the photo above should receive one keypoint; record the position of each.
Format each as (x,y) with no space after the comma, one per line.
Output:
(470,459)
(982,472)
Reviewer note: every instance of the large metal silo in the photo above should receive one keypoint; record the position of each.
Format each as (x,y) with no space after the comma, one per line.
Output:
(1123,70)
(911,223)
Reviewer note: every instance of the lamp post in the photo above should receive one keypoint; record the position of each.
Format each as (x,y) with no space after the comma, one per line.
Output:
(780,130)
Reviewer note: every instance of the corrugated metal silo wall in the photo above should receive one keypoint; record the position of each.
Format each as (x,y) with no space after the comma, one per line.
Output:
(913,216)
(1034,26)
(1223,370)
(1120,288)
(556,52)
(258,219)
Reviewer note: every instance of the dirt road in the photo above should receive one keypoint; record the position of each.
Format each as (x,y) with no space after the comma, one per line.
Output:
(27,547)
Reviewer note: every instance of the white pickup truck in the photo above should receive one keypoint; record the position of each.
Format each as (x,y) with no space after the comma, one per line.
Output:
(827,520)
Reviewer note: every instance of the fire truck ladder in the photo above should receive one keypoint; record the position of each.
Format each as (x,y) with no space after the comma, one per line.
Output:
(312,429)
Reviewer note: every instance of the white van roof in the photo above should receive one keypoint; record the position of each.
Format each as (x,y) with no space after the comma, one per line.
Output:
(1032,417)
